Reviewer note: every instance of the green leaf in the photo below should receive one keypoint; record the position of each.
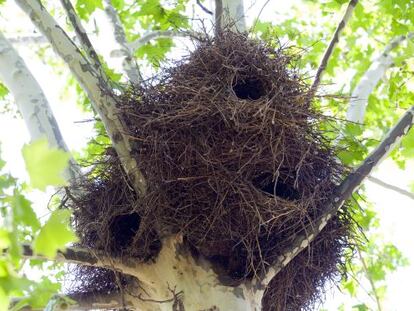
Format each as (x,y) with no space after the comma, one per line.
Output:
(55,234)
(42,293)
(86,7)
(45,165)
(360,307)
(4,300)
(23,212)
(3,90)
(4,239)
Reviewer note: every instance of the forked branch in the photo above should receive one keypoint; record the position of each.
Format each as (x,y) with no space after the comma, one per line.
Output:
(343,192)
(95,83)
(129,64)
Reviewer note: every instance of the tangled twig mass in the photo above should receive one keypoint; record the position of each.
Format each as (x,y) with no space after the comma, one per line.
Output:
(236,161)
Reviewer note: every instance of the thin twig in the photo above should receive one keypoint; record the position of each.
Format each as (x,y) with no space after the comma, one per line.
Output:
(204,8)
(371,281)
(331,46)
(391,187)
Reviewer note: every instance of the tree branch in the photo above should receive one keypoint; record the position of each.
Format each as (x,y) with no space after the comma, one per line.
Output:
(218,17)
(359,98)
(391,187)
(95,84)
(95,301)
(331,46)
(32,102)
(85,257)
(82,35)
(28,40)
(229,14)
(343,192)
(128,63)
(135,45)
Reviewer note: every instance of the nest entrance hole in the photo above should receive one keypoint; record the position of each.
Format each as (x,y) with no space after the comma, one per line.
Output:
(124,229)
(249,88)
(277,188)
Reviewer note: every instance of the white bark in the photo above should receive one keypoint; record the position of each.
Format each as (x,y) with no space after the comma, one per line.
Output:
(368,82)
(176,278)
(95,84)
(129,64)
(31,101)
(85,257)
(28,40)
(230,14)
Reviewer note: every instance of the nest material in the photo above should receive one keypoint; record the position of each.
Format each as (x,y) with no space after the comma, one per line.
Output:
(235,160)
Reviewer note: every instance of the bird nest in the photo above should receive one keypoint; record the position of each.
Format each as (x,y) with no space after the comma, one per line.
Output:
(236,160)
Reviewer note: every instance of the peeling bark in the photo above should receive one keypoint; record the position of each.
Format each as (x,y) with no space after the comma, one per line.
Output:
(176,278)
(96,85)
(31,102)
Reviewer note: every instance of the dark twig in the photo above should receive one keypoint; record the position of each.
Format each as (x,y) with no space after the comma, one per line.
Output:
(81,34)
(331,46)
(371,281)
(203,7)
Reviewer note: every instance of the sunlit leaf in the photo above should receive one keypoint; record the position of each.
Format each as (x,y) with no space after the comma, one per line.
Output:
(55,234)
(4,300)
(23,212)
(86,7)
(45,165)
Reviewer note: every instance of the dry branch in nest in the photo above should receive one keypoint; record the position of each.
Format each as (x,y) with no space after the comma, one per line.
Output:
(235,159)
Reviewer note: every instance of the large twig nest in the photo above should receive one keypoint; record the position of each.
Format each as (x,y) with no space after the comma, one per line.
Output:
(235,159)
